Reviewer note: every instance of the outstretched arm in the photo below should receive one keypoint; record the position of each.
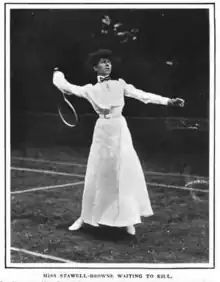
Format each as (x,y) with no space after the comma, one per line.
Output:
(145,97)
(81,91)
(67,88)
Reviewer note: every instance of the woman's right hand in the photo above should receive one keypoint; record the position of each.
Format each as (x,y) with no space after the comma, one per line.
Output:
(56,69)
(177,102)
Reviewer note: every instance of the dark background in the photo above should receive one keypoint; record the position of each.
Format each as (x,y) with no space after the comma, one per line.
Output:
(162,51)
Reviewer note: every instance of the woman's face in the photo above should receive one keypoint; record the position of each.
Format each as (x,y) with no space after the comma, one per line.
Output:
(104,67)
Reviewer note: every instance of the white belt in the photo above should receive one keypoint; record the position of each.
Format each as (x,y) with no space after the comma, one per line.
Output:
(110,116)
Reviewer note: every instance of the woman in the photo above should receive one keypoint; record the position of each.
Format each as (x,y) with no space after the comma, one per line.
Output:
(115,192)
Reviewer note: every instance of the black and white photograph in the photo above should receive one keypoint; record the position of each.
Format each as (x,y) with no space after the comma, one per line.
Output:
(110,136)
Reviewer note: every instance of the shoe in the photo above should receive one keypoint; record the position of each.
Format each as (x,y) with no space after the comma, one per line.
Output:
(131,230)
(76,225)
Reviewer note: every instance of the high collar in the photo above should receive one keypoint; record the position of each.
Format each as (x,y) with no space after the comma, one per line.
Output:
(100,78)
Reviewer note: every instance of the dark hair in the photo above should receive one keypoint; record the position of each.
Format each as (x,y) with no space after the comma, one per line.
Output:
(93,58)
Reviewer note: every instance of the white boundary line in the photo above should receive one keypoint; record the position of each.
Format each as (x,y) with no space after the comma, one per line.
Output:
(174,174)
(46,171)
(42,255)
(48,161)
(82,176)
(46,187)
(84,165)
(176,187)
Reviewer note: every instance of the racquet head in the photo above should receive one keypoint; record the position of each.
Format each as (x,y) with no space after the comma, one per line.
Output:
(199,186)
(200,189)
(67,112)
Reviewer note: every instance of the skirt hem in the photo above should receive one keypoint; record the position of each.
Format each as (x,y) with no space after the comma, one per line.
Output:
(117,225)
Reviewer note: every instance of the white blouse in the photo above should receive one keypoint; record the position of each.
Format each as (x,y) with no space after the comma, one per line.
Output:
(107,94)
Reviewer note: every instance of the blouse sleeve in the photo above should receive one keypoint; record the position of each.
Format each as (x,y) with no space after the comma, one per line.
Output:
(67,88)
(131,91)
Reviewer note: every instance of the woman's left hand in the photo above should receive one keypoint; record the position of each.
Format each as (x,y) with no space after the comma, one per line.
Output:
(178,102)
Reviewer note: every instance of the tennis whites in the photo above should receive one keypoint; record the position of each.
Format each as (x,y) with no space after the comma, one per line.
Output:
(115,192)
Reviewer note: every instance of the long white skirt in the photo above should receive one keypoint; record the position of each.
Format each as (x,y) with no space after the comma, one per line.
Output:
(115,192)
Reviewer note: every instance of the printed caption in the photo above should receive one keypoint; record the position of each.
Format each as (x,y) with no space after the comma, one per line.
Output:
(74,276)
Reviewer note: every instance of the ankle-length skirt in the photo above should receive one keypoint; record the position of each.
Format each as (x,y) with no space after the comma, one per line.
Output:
(115,191)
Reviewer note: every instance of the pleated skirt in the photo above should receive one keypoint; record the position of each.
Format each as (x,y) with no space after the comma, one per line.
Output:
(115,191)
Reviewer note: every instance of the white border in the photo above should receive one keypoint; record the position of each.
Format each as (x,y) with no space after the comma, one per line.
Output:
(211,135)
(19,6)
(109,6)
(8,135)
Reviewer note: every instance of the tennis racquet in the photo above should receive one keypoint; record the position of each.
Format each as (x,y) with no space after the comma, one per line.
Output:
(199,186)
(66,111)
(200,189)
